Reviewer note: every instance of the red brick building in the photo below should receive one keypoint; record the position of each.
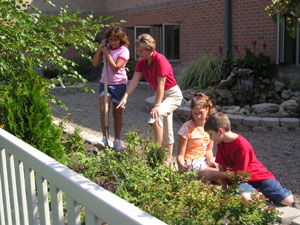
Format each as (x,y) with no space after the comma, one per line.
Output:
(188,29)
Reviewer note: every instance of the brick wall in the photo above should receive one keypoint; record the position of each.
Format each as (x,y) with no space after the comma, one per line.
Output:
(86,7)
(250,22)
(202,24)
(200,33)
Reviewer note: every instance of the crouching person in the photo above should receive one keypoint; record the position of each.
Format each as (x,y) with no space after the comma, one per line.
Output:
(234,153)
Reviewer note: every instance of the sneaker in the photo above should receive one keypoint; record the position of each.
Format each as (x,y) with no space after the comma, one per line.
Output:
(104,142)
(118,145)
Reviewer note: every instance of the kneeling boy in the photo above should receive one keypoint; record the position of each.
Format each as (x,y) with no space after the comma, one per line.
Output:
(234,153)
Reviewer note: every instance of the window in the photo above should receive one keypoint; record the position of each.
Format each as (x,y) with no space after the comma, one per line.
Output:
(288,48)
(166,36)
(171,41)
(138,30)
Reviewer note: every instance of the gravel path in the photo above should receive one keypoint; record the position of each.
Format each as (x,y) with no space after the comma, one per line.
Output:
(279,152)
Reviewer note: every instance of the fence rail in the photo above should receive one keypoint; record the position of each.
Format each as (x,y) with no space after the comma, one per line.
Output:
(34,188)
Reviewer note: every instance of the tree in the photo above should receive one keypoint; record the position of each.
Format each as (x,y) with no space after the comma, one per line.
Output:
(290,9)
(30,40)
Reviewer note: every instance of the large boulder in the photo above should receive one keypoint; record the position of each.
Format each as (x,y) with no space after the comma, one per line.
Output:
(265,108)
(289,105)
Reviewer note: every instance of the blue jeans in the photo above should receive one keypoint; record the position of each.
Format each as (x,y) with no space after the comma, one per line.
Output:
(272,189)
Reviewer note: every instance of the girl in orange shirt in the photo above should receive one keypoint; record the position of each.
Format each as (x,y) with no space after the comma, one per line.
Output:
(194,144)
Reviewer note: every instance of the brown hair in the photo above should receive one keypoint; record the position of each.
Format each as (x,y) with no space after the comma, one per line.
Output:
(202,100)
(216,121)
(145,41)
(119,33)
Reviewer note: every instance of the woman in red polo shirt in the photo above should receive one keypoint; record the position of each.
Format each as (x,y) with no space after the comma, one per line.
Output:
(158,72)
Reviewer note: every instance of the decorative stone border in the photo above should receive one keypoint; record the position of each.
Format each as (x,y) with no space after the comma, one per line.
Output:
(244,123)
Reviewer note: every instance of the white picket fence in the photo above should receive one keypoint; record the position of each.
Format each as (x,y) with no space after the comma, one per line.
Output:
(30,180)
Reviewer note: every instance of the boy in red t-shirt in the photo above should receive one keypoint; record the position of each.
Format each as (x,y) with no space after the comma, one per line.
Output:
(234,153)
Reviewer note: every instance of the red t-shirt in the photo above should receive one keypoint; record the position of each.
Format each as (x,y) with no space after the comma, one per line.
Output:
(159,66)
(239,155)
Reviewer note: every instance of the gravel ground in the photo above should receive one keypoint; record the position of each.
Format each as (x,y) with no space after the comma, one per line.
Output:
(279,152)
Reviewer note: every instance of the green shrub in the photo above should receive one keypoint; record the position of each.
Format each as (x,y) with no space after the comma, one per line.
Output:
(139,176)
(27,114)
(130,67)
(228,63)
(294,85)
(295,112)
(260,64)
(74,142)
(201,73)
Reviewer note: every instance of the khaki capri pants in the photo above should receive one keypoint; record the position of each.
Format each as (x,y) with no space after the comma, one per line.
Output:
(171,100)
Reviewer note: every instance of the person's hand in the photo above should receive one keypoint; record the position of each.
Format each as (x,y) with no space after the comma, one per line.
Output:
(103,43)
(122,103)
(186,167)
(213,164)
(154,112)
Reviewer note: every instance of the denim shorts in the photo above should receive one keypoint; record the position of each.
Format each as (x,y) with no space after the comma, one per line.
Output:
(116,92)
(272,189)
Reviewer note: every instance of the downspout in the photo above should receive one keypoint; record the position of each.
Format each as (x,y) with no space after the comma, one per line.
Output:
(228,25)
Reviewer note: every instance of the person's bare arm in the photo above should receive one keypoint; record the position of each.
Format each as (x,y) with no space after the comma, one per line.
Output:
(181,152)
(130,89)
(114,66)
(97,58)
(209,155)
(215,175)
(161,81)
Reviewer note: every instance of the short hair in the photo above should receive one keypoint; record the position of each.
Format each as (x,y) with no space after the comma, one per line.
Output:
(216,121)
(119,33)
(202,100)
(145,41)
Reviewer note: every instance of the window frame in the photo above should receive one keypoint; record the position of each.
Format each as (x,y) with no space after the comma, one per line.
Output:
(281,42)
(164,41)
(135,28)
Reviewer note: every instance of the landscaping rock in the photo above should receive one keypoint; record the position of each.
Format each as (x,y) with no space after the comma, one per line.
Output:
(289,104)
(278,86)
(265,108)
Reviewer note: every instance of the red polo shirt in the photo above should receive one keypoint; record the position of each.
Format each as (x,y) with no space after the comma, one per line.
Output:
(159,67)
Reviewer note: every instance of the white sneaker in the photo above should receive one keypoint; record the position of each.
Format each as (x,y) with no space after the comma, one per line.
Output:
(118,145)
(104,142)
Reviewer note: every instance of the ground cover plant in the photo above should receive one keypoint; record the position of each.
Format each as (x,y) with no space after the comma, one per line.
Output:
(139,176)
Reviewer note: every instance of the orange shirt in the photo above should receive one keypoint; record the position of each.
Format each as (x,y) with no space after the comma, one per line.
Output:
(197,140)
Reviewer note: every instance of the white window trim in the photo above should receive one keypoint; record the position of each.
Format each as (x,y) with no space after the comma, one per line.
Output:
(281,42)
(298,46)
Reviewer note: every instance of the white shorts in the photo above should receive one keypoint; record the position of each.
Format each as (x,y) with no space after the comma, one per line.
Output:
(197,164)
(171,100)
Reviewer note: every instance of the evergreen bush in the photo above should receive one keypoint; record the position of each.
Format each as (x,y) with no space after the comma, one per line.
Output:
(27,114)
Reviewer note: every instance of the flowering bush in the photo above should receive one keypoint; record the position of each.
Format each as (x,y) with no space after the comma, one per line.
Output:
(139,176)
(260,63)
